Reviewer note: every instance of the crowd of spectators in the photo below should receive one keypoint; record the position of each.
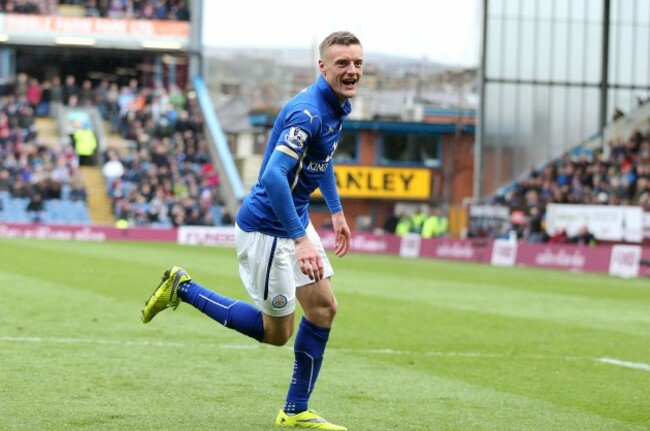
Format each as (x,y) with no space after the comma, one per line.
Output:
(177,10)
(31,171)
(162,175)
(165,176)
(616,175)
(428,223)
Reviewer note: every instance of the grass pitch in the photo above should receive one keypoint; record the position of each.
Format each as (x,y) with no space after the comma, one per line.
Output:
(418,345)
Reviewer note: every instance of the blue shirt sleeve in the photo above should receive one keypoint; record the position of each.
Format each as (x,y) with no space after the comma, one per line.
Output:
(329,190)
(277,188)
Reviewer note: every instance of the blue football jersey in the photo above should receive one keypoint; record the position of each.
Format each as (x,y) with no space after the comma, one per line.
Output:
(306,133)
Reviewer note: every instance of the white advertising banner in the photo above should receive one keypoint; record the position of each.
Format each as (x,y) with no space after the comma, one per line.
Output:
(198,235)
(410,245)
(625,260)
(606,223)
(504,252)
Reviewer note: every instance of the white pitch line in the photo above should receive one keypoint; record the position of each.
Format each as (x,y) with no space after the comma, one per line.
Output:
(480,355)
(86,341)
(108,342)
(483,355)
(626,364)
(462,354)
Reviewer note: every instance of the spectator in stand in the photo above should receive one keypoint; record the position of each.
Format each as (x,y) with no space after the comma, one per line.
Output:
(125,102)
(43,107)
(61,171)
(112,107)
(159,155)
(559,236)
(92,8)
(117,9)
(34,93)
(436,224)
(5,130)
(180,11)
(36,207)
(20,89)
(100,97)
(25,122)
(70,89)
(226,217)
(417,220)
(113,168)
(158,211)
(46,187)
(77,190)
(5,180)
(25,6)
(86,94)
(56,95)
(390,224)
(19,187)
(583,237)
(403,225)
(534,231)
(85,143)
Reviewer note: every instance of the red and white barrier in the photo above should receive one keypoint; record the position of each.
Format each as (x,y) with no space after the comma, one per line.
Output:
(619,260)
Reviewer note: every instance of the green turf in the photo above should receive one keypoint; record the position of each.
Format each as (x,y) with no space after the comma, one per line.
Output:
(418,345)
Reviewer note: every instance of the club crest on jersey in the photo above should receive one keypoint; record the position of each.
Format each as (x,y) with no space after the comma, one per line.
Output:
(279,301)
(296,138)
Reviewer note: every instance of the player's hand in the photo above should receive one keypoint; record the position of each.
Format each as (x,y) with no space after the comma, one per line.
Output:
(342,234)
(309,259)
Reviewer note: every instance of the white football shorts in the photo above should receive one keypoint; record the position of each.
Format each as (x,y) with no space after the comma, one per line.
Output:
(269,269)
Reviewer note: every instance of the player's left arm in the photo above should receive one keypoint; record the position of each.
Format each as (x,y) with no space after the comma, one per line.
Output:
(331,195)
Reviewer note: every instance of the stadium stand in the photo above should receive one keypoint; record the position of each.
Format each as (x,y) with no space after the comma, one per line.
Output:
(153,167)
(616,174)
(131,9)
(36,180)
(168,177)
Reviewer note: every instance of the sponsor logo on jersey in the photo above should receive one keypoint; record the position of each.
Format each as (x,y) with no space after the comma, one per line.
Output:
(279,301)
(316,166)
(296,138)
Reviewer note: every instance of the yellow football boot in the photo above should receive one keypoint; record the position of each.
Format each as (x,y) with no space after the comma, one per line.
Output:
(307,419)
(166,294)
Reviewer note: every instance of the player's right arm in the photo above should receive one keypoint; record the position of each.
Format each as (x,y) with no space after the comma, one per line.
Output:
(274,180)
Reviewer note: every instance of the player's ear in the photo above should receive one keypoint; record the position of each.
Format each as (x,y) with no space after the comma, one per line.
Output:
(321,67)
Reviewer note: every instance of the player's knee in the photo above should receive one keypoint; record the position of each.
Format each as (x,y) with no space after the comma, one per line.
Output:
(330,312)
(323,315)
(278,337)
(277,340)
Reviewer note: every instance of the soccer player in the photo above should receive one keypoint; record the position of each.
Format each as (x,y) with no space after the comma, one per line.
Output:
(281,257)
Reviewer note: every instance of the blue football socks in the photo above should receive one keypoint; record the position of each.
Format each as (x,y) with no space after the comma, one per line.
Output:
(238,315)
(308,348)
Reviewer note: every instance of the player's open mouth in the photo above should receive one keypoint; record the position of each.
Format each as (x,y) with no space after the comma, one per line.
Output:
(349,82)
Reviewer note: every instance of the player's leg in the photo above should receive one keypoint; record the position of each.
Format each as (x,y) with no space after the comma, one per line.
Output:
(266,270)
(319,304)
(177,286)
(239,315)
